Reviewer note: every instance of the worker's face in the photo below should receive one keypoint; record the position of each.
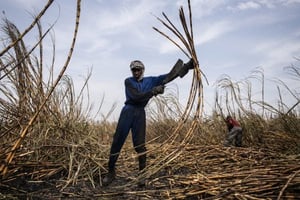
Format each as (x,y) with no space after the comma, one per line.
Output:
(137,73)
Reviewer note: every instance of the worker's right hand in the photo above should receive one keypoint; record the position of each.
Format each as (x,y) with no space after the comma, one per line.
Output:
(158,90)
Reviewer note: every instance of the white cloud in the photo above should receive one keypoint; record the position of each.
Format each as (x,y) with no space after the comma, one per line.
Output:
(289,2)
(214,31)
(268,3)
(122,18)
(205,7)
(277,54)
(209,33)
(259,4)
(28,4)
(248,5)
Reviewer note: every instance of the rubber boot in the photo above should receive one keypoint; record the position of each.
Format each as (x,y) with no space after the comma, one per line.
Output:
(110,176)
(142,166)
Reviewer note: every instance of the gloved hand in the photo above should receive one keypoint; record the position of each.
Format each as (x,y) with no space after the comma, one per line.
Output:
(158,90)
(186,67)
(190,64)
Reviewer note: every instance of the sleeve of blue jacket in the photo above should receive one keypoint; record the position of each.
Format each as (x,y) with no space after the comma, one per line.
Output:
(139,93)
(135,95)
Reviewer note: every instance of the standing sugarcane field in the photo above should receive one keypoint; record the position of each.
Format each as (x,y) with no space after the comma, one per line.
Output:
(151,132)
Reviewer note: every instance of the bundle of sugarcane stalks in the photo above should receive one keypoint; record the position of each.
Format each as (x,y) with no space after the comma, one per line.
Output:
(50,150)
(194,107)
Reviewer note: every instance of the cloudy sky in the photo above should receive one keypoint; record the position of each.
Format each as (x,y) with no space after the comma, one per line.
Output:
(232,37)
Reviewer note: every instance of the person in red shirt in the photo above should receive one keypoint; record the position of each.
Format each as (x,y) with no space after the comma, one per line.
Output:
(235,132)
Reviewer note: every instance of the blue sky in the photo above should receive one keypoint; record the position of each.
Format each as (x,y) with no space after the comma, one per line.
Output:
(231,37)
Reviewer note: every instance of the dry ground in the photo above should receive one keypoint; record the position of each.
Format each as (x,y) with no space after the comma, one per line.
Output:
(199,172)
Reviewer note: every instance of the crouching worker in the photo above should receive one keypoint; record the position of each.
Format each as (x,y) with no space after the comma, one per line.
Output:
(235,133)
(138,91)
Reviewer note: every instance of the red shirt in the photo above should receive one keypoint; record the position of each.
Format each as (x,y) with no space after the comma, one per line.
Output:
(232,123)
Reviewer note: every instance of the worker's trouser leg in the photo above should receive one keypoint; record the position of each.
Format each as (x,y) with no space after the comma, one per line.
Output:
(234,137)
(134,118)
(138,136)
(239,138)
(119,138)
(122,130)
(138,139)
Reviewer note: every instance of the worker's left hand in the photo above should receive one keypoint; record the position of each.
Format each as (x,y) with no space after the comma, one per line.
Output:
(190,64)
(186,67)
(158,90)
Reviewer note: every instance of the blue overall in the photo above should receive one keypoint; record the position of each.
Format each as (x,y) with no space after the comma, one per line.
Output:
(132,117)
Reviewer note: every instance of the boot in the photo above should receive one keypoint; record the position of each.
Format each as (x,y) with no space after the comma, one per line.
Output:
(142,165)
(108,179)
(141,182)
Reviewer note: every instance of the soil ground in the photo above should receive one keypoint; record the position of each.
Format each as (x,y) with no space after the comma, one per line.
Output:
(207,172)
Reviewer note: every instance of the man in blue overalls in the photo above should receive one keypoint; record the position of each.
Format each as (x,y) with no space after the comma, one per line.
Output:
(139,90)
